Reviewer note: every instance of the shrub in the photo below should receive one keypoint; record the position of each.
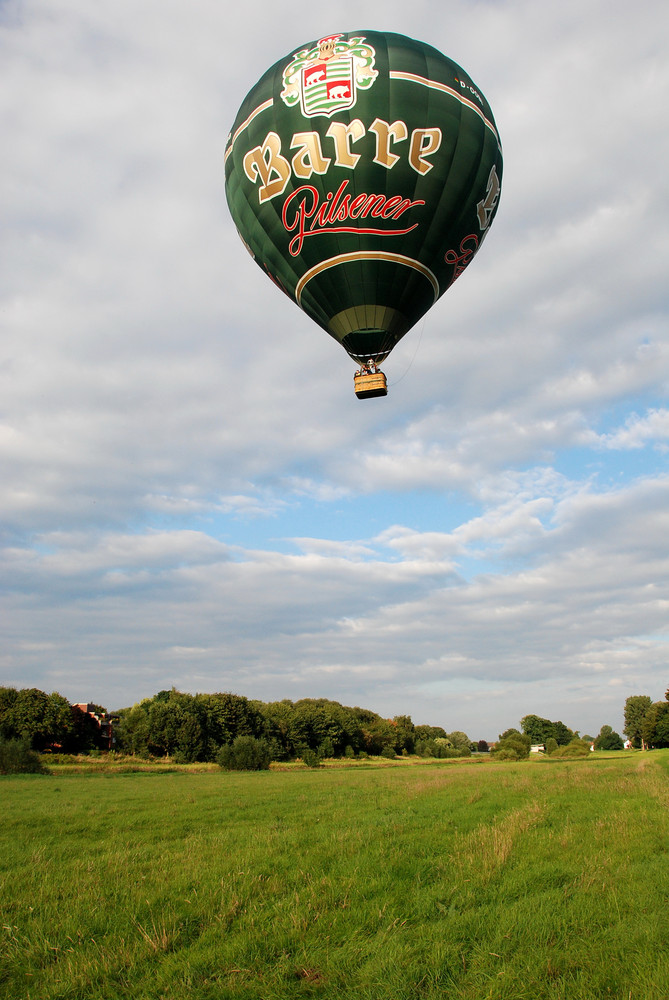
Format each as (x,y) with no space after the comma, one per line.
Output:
(506,754)
(513,747)
(441,748)
(577,748)
(245,753)
(16,757)
(551,745)
(310,757)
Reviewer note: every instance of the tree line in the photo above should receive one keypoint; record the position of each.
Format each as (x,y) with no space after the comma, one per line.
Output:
(193,728)
(646,727)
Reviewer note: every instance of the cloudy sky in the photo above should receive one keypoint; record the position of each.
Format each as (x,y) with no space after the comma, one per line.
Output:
(191,494)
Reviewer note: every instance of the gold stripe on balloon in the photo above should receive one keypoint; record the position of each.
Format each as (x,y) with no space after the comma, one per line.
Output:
(344,258)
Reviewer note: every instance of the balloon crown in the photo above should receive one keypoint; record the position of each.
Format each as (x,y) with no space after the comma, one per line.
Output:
(326,46)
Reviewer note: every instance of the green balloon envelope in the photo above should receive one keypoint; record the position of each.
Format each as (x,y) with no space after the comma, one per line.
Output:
(363,172)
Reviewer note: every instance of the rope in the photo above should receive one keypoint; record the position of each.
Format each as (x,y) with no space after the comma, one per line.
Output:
(410,365)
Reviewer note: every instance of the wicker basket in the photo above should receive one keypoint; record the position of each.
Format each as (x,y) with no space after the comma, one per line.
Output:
(370,384)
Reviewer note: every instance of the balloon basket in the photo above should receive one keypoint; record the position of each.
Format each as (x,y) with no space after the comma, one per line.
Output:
(370,384)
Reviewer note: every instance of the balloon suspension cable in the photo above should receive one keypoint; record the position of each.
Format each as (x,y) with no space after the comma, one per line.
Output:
(415,353)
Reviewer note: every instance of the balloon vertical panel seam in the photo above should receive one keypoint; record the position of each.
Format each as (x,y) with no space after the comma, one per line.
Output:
(247,121)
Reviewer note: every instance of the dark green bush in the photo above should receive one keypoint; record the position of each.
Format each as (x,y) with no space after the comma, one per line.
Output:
(16,757)
(310,757)
(513,747)
(245,753)
(577,748)
(507,753)
(608,740)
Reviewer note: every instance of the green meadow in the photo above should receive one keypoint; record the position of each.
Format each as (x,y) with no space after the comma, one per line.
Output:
(464,879)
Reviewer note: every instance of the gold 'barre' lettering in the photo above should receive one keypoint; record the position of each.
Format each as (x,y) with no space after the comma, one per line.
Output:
(267,166)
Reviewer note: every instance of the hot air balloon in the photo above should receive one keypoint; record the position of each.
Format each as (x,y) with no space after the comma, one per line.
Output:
(363,172)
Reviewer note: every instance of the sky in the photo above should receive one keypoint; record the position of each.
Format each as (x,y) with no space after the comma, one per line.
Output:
(190,493)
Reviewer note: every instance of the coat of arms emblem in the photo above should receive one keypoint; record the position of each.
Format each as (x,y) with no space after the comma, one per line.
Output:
(325,79)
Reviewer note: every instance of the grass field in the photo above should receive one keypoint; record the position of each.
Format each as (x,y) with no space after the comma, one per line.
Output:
(474,880)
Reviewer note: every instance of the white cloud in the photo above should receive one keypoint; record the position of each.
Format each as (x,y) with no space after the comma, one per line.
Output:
(639,431)
(455,549)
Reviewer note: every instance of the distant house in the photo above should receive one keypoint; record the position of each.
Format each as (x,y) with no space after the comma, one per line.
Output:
(104,723)
(538,748)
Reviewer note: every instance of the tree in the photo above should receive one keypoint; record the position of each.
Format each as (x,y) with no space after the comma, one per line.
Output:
(132,730)
(563,734)
(608,740)
(460,741)
(44,720)
(319,725)
(276,717)
(482,746)
(84,732)
(662,727)
(166,719)
(187,727)
(309,727)
(8,697)
(444,749)
(379,738)
(190,741)
(539,730)
(429,732)
(655,727)
(405,733)
(224,716)
(636,707)
(516,746)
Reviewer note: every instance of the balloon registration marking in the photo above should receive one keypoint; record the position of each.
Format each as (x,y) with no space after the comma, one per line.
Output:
(344,258)
(434,85)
